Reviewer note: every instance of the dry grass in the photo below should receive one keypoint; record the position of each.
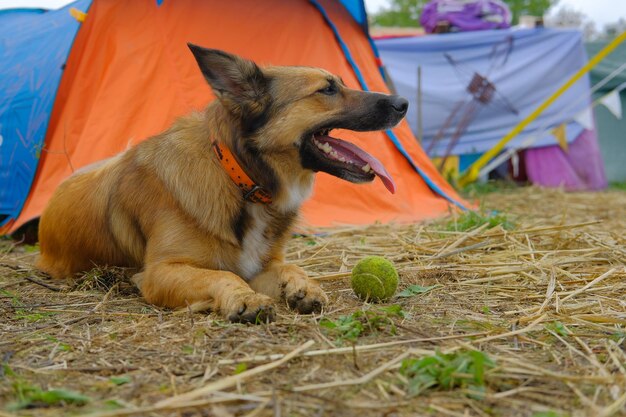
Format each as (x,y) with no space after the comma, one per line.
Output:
(546,302)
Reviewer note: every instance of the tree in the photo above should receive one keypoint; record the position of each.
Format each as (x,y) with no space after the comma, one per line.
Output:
(566,17)
(528,7)
(612,30)
(400,13)
(406,13)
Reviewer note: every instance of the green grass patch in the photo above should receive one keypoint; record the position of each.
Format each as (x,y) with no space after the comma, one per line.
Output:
(241,367)
(415,290)
(478,189)
(25,313)
(621,186)
(31,248)
(61,346)
(120,380)
(114,404)
(469,220)
(31,316)
(15,301)
(557,327)
(31,396)
(618,336)
(363,322)
(463,369)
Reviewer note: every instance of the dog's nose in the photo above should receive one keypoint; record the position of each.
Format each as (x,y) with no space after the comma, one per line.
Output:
(399,104)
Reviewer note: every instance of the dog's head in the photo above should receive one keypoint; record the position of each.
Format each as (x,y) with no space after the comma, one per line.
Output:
(292,110)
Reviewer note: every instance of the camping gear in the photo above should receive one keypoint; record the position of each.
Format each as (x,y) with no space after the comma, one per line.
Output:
(610,120)
(471,173)
(539,62)
(129,75)
(465,15)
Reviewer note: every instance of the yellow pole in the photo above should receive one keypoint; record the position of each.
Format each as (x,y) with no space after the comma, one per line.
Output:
(471,174)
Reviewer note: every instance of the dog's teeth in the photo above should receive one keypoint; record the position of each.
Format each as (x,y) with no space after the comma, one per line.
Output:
(326,148)
(367,168)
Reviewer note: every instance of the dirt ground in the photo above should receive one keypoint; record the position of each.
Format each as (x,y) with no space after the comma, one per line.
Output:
(525,318)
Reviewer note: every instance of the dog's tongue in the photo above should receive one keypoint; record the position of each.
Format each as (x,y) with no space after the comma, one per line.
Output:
(357,156)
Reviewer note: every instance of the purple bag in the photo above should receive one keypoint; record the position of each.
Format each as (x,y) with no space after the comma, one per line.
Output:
(465,15)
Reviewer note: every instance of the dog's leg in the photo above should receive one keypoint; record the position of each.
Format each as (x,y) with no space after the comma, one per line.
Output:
(290,282)
(179,285)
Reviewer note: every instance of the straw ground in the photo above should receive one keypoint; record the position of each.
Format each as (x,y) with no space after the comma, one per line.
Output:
(515,313)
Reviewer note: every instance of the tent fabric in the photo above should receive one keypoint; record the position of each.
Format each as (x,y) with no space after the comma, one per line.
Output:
(364,86)
(540,61)
(357,9)
(34,45)
(610,128)
(130,75)
(578,169)
(608,65)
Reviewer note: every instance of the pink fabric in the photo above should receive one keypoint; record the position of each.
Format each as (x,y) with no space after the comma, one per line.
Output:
(579,169)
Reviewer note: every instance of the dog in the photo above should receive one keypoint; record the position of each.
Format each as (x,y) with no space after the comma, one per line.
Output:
(202,211)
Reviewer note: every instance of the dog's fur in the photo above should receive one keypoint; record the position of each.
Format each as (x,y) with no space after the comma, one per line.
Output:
(167,207)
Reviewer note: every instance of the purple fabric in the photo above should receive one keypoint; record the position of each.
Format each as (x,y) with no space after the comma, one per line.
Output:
(466,15)
(581,168)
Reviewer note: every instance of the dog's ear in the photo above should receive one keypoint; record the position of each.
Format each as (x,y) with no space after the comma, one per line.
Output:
(235,80)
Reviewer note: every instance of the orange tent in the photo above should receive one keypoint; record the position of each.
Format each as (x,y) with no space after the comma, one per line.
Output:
(130,74)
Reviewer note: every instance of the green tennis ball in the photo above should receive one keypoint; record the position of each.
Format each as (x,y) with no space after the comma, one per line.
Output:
(374,279)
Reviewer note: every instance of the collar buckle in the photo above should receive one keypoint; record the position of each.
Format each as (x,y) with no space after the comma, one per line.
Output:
(250,190)
(257,194)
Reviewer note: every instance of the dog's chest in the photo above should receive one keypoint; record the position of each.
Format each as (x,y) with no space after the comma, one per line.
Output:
(260,234)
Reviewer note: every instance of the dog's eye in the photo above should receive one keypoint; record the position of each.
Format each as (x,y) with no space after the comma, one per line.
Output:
(329,90)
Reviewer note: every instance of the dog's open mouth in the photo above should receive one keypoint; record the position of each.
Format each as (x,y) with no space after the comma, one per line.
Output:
(344,160)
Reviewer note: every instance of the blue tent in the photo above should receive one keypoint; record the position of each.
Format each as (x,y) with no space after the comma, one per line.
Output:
(34,45)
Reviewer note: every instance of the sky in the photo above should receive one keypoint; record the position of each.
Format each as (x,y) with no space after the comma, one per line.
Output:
(599,11)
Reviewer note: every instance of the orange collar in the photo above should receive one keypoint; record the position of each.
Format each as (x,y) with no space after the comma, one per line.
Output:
(250,190)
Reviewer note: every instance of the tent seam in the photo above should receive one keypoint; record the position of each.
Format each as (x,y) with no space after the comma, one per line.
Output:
(394,139)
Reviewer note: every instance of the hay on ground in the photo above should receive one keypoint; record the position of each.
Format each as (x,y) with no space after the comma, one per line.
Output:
(545,302)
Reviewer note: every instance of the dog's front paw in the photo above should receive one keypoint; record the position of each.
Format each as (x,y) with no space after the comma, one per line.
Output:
(250,308)
(302,294)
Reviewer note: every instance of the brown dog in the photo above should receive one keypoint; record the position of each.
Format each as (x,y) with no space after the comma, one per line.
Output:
(172,207)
